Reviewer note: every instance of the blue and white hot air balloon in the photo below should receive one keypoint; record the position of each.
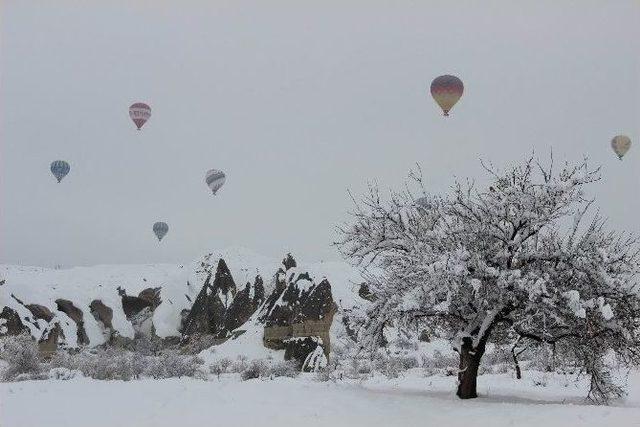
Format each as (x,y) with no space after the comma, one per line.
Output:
(215,180)
(60,169)
(160,229)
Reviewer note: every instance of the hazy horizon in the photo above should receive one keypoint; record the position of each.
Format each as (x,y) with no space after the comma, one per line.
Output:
(296,102)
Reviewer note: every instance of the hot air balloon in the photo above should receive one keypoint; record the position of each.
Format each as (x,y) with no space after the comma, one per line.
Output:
(215,179)
(446,90)
(139,113)
(60,169)
(160,229)
(620,145)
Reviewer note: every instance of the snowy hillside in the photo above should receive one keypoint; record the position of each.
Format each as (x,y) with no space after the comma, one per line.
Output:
(179,285)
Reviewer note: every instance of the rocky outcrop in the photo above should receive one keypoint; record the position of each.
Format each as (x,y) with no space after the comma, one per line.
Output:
(296,313)
(35,320)
(152,296)
(307,352)
(139,310)
(76,315)
(280,285)
(102,313)
(52,338)
(40,312)
(244,304)
(207,314)
(10,323)
(147,298)
(298,308)
(220,308)
(316,305)
(104,316)
(289,262)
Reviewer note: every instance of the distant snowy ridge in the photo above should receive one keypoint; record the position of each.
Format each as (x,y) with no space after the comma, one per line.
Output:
(179,286)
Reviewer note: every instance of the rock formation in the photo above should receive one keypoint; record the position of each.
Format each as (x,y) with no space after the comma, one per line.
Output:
(10,323)
(76,315)
(298,308)
(208,311)
(40,312)
(220,308)
(296,314)
(51,339)
(139,310)
(244,304)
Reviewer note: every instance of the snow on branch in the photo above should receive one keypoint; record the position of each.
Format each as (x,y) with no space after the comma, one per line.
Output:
(522,255)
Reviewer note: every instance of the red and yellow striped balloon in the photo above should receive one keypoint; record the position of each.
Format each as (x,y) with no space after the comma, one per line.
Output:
(446,90)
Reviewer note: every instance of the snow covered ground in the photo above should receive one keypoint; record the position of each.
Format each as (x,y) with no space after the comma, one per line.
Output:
(537,400)
(409,401)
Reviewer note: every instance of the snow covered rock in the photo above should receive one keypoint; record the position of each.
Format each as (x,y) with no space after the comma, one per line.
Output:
(298,308)
(102,313)
(207,315)
(40,312)
(134,306)
(76,315)
(10,323)
(307,352)
(244,304)
(52,339)
(139,310)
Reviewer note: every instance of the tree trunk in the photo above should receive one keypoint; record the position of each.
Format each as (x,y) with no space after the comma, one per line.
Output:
(517,365)
(515,361)
(468,372)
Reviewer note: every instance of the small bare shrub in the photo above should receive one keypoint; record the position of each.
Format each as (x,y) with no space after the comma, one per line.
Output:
(287,368)
(177,365)
(220,367)
(21,353)
(240,365)
(256,369)
(62,374)
(440,364)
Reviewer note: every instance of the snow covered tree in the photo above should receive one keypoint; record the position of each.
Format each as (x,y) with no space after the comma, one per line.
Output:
(520,258)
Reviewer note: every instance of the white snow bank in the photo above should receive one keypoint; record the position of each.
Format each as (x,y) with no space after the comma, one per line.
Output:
(410,401)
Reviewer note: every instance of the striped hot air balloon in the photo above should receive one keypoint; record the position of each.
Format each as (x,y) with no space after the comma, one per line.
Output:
(446,90)
(139,113)
(160,229)
(215,180)
(60,169)
(620,145)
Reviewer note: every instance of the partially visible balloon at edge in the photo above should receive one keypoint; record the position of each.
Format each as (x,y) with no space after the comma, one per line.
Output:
(446,91)
(160,229)
(139,113)
(620,145)
(60,169)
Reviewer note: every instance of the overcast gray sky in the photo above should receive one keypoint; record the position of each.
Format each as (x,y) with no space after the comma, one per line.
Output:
(296,102)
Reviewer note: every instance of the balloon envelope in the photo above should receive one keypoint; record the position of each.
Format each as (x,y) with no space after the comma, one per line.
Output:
(60,169)
(446,90)
(139,113)
(620,145)
(215,179)
(160,229)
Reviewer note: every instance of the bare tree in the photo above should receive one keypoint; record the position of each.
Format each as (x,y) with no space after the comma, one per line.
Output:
(519,258)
